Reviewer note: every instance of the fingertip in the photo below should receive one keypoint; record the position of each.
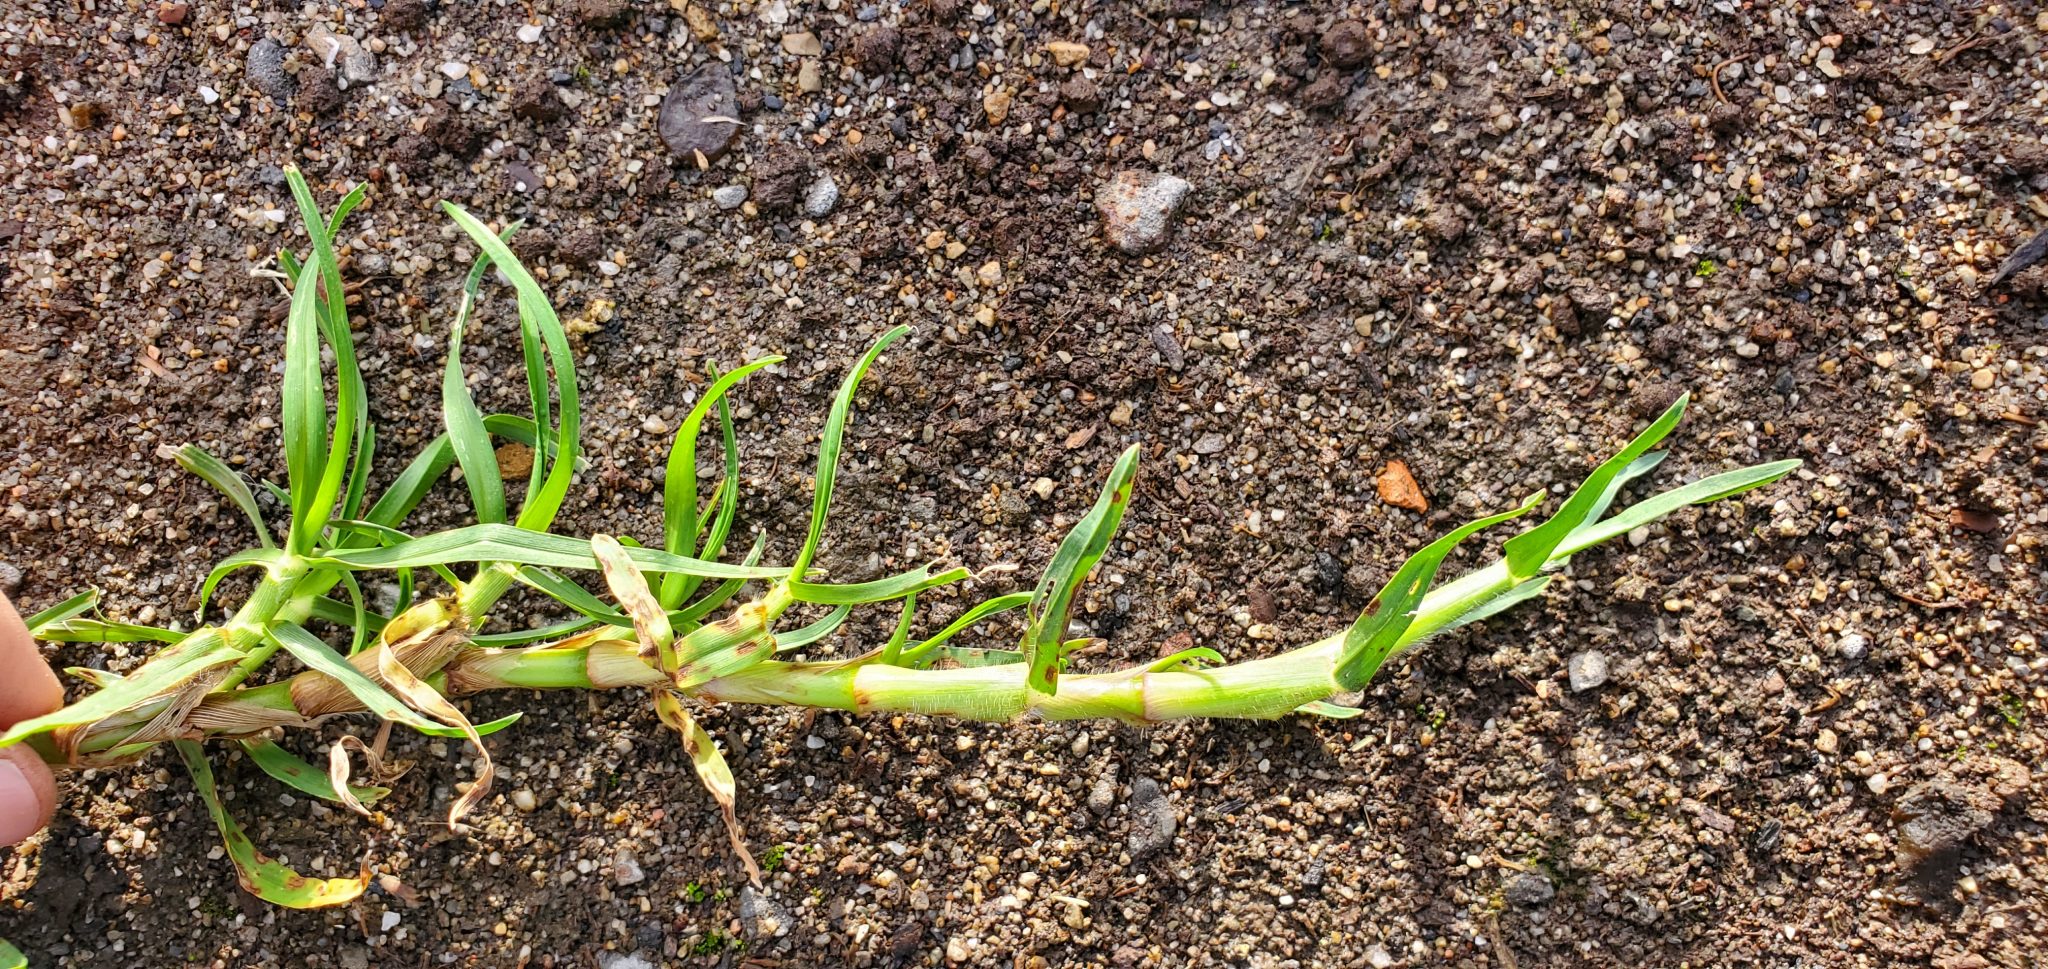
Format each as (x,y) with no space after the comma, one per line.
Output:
(28,794)
(27,687)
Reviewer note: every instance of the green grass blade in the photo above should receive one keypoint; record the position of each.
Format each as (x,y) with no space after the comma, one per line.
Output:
(542,503)
(892,651)
(806,635)
(679,521)
(433,461)
(359,473)
(1185,659)
(317,655)
(1530,551)
(71,608)
(1704,491)
(829,447)
(1373,637)
(1324,708)
(343,614)
(97,631)
(1053,601)
(966,657)
(524,636)
(301,776)
(167,671)
(305,411)
(260,876)
(351,409)
(506,543)
(466,434)
(553,585)
(264,558)
(1515,596)
(347,205)
(385,537)
(227,481)
(880,590)
(359,614)
(918,655)
(695,612)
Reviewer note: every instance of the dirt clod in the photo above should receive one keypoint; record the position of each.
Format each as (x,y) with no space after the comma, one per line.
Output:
(699,115)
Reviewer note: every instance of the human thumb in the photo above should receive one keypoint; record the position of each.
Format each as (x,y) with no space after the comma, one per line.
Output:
(28,794)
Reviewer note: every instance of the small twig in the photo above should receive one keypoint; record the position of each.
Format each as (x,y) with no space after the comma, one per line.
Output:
(1925,604)
(1714,78)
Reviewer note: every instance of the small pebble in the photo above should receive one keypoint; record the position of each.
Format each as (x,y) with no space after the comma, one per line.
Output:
(1587,670)
(730,197)
(821,197)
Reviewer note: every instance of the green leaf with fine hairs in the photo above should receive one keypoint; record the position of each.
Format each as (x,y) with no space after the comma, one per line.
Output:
(71,608)
(1324,708)
(806,635)
(229,482)
(1378,631)
(1529,552)
(920,654)
(260,876)
(544,502)
(967,657)
(1713,488)
(1514,596)
(517,546)
(829,446)
(96,631)
(1052,603)
(679,524)
(880,590)
(301,776)
(11,957)
(305,410)
(167,671)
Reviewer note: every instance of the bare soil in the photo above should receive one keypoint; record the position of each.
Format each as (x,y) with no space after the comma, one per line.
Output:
(1486,240)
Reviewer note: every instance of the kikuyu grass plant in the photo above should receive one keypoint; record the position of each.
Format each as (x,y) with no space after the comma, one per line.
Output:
(687,620)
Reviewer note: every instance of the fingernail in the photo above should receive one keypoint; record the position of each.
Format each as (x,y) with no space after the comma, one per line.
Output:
(21,809)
